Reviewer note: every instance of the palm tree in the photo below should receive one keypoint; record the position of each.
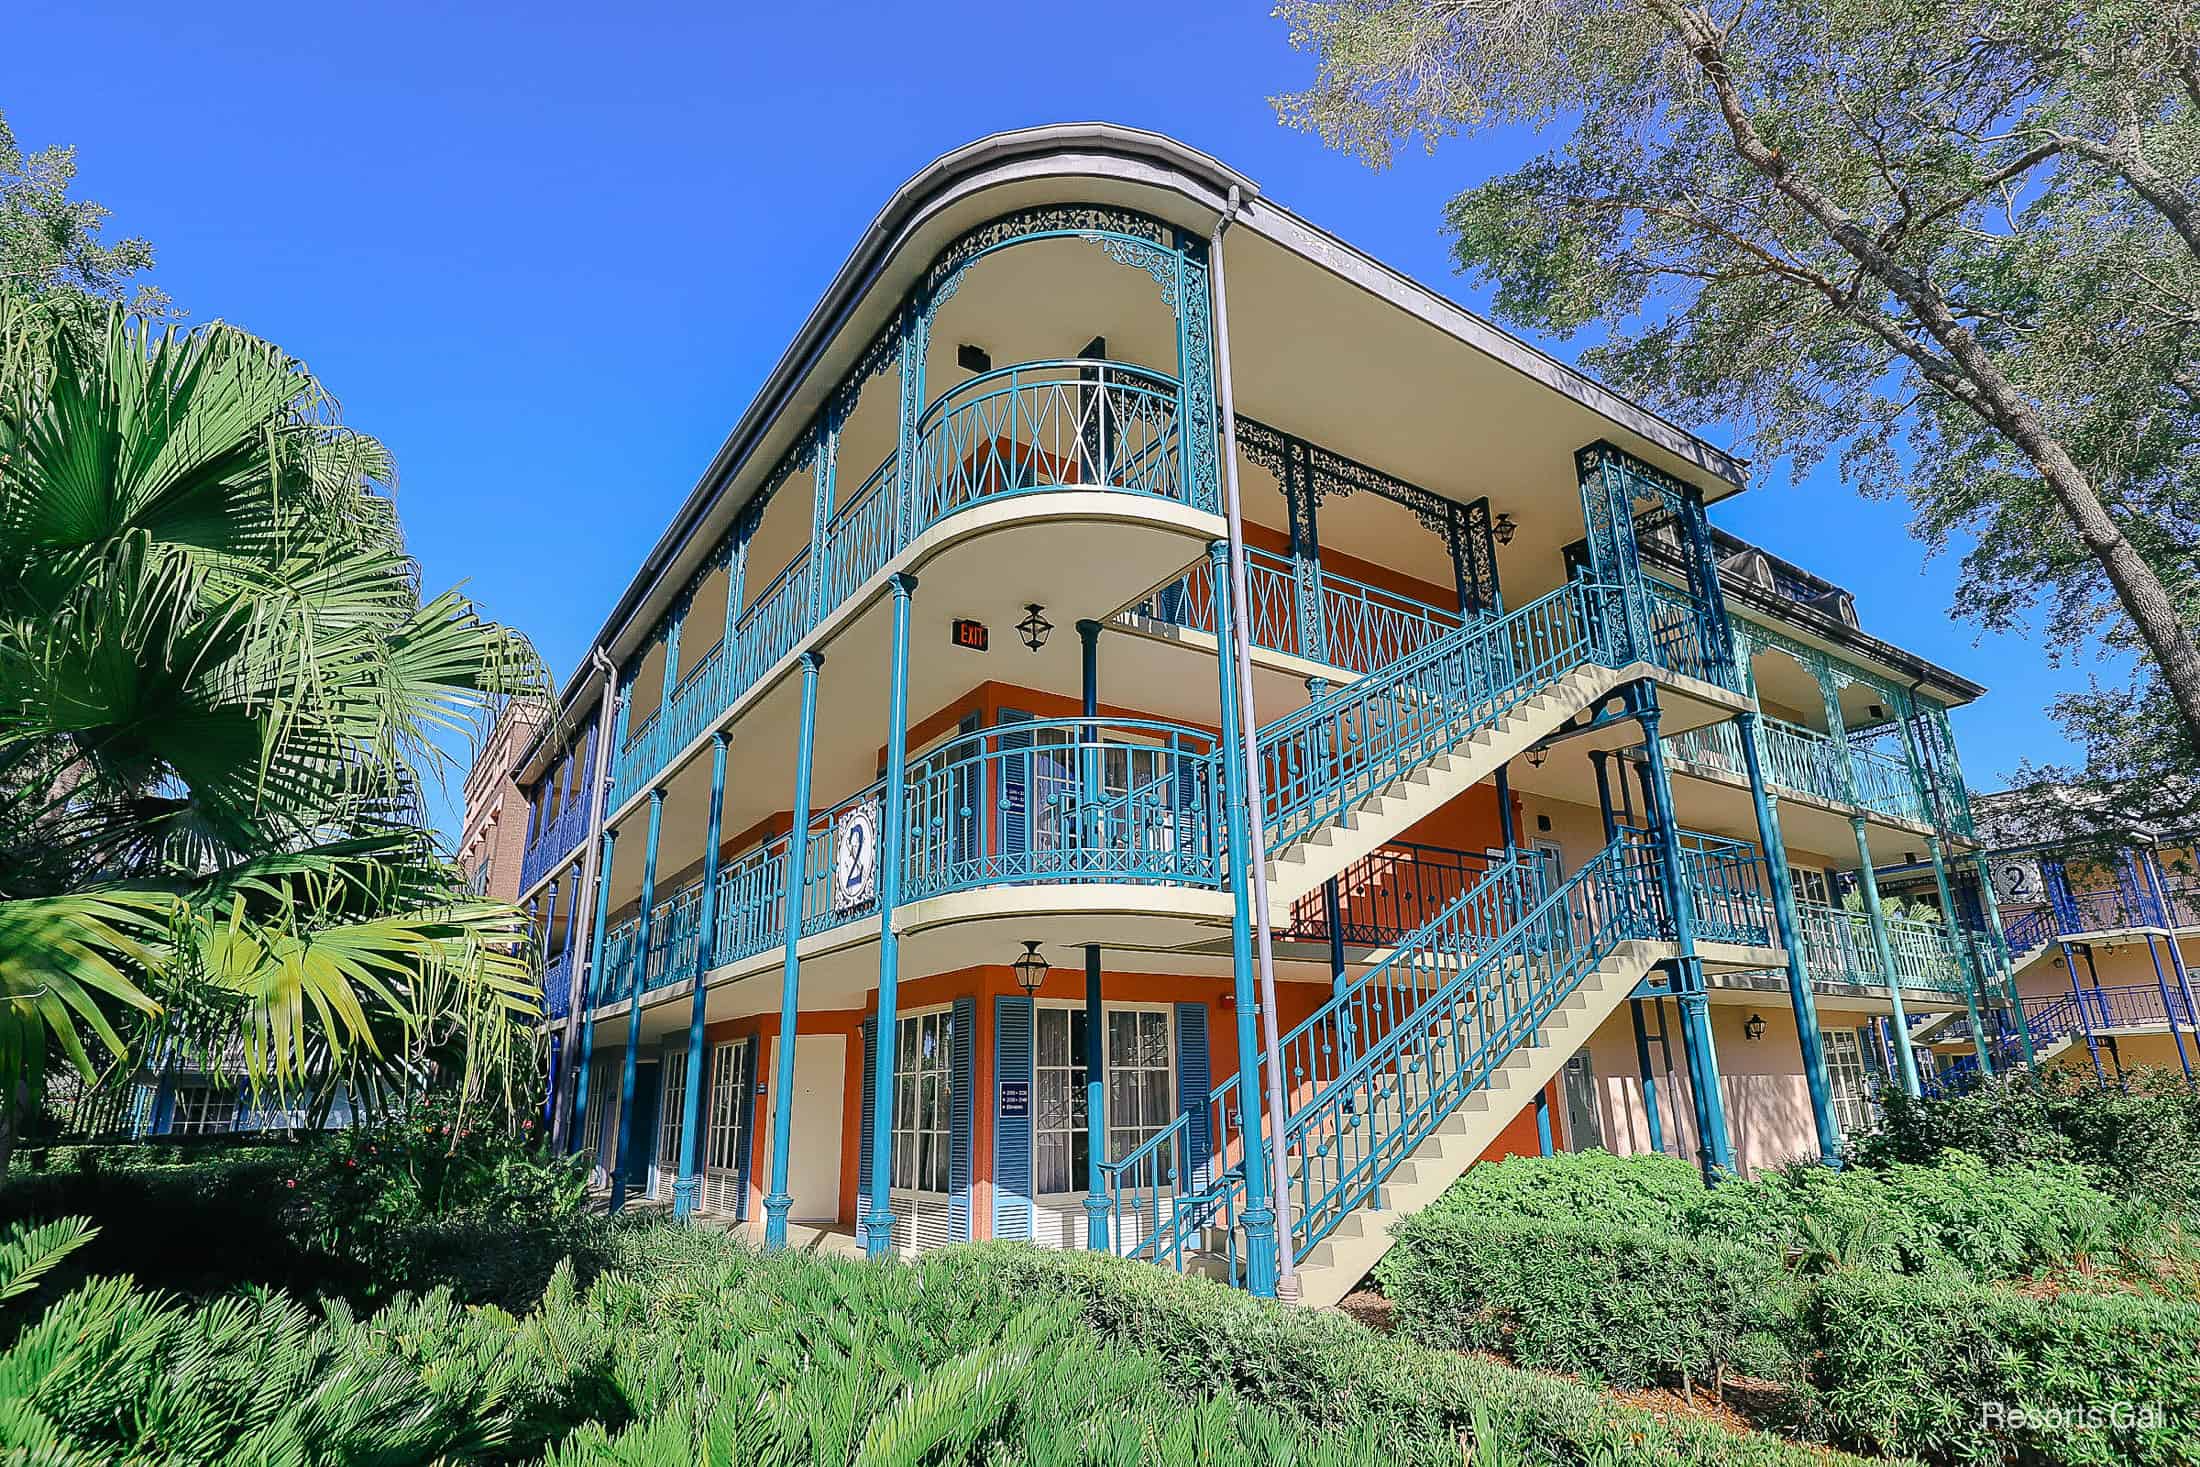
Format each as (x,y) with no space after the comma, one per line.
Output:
(219,686)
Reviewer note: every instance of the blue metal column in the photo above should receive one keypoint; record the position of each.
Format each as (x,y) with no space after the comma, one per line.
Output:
(878,1232)
(687,1188)
(1260,1212)
(2085,1020)
(777,1200)
(2169,1010)
(1802,998)
(1649,1076)
(1096,1089)
(1868,882)
(2160,886)
(1990,906)
(1695,1002)
(1597,761)
(1964,955)
(588,993)
(634,1007)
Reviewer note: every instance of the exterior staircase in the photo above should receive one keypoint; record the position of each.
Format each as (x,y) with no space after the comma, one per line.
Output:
(1409,1073)
(1365,761)
(1411,1070)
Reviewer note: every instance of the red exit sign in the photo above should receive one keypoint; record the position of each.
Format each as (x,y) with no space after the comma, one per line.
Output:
(964,632)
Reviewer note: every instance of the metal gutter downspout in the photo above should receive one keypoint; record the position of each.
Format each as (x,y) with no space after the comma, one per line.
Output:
(1287,1273)
(599,781)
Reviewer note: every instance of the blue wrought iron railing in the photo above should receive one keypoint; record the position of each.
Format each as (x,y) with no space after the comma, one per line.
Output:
(1838,948)
(1092,425)
(557,985)
(1363,627)
(1728,893)
(557,839)
(1803,761)
(1390,892)
(1381,1065)
(1065,800)
(2027,930)
(1046,425)
(1041,800)
(1340,749)
(2137,1006)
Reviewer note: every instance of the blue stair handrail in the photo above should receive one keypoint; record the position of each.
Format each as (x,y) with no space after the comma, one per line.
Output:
(1515,951)
(1320,762)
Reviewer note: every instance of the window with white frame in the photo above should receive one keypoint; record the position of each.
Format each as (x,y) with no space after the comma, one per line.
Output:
(203,1110)
(672,1112)
(924,1100)
(1810,885)
(599,1122)
(725,1131)
(1137,1054)
(1848,1079)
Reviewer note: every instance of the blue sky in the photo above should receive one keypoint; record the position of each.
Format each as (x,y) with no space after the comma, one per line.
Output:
(547,252)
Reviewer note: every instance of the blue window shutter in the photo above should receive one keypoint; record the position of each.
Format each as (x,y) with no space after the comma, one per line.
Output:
(1192,1086)
(961,1115)
(1012,1022)
(1016,793)
(863,1126)
(744,1122)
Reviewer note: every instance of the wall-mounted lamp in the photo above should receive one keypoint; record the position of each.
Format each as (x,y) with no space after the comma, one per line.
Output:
(1753,1028)
(1031,969)
(1504,530)
(1034,627)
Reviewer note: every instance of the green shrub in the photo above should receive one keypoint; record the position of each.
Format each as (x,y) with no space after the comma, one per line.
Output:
(1626,1305)
(1939,1368)
(711,1352)
(1645,1191)
(360,1214)
(1327,1373)
(2142,1144)
(1958,1215)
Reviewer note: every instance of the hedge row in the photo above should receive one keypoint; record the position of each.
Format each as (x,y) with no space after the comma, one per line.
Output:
(1955,1371)
(1967,1373)
(1627,1305)
(1329,1374)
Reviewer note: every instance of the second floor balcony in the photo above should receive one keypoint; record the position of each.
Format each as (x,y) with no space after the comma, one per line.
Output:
(1038,427)
(1803,762)
(1838,947)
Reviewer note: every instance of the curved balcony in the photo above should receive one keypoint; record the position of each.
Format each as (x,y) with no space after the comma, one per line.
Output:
(1067,801)
(1030,428)
(1047,425)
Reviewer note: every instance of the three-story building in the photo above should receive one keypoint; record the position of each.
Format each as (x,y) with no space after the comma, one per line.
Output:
(1159,733)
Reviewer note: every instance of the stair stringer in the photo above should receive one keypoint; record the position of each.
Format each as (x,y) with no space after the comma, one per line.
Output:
(1335,1265)
(1302,866)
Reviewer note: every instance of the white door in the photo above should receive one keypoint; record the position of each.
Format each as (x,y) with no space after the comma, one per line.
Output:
(813,1148)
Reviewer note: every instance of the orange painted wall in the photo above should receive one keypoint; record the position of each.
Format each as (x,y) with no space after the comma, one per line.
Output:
(1519,1138)
(1294,1001)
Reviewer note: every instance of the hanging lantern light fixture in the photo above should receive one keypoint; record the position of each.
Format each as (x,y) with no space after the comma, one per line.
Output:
(1034,627)
(1031,969)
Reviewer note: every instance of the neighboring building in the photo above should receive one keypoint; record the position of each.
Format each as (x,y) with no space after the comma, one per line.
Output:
(498,818)
(184,1096)
(2102,937)
(922,748)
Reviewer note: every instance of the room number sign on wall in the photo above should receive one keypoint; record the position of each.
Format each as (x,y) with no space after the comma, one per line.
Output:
(855,856)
